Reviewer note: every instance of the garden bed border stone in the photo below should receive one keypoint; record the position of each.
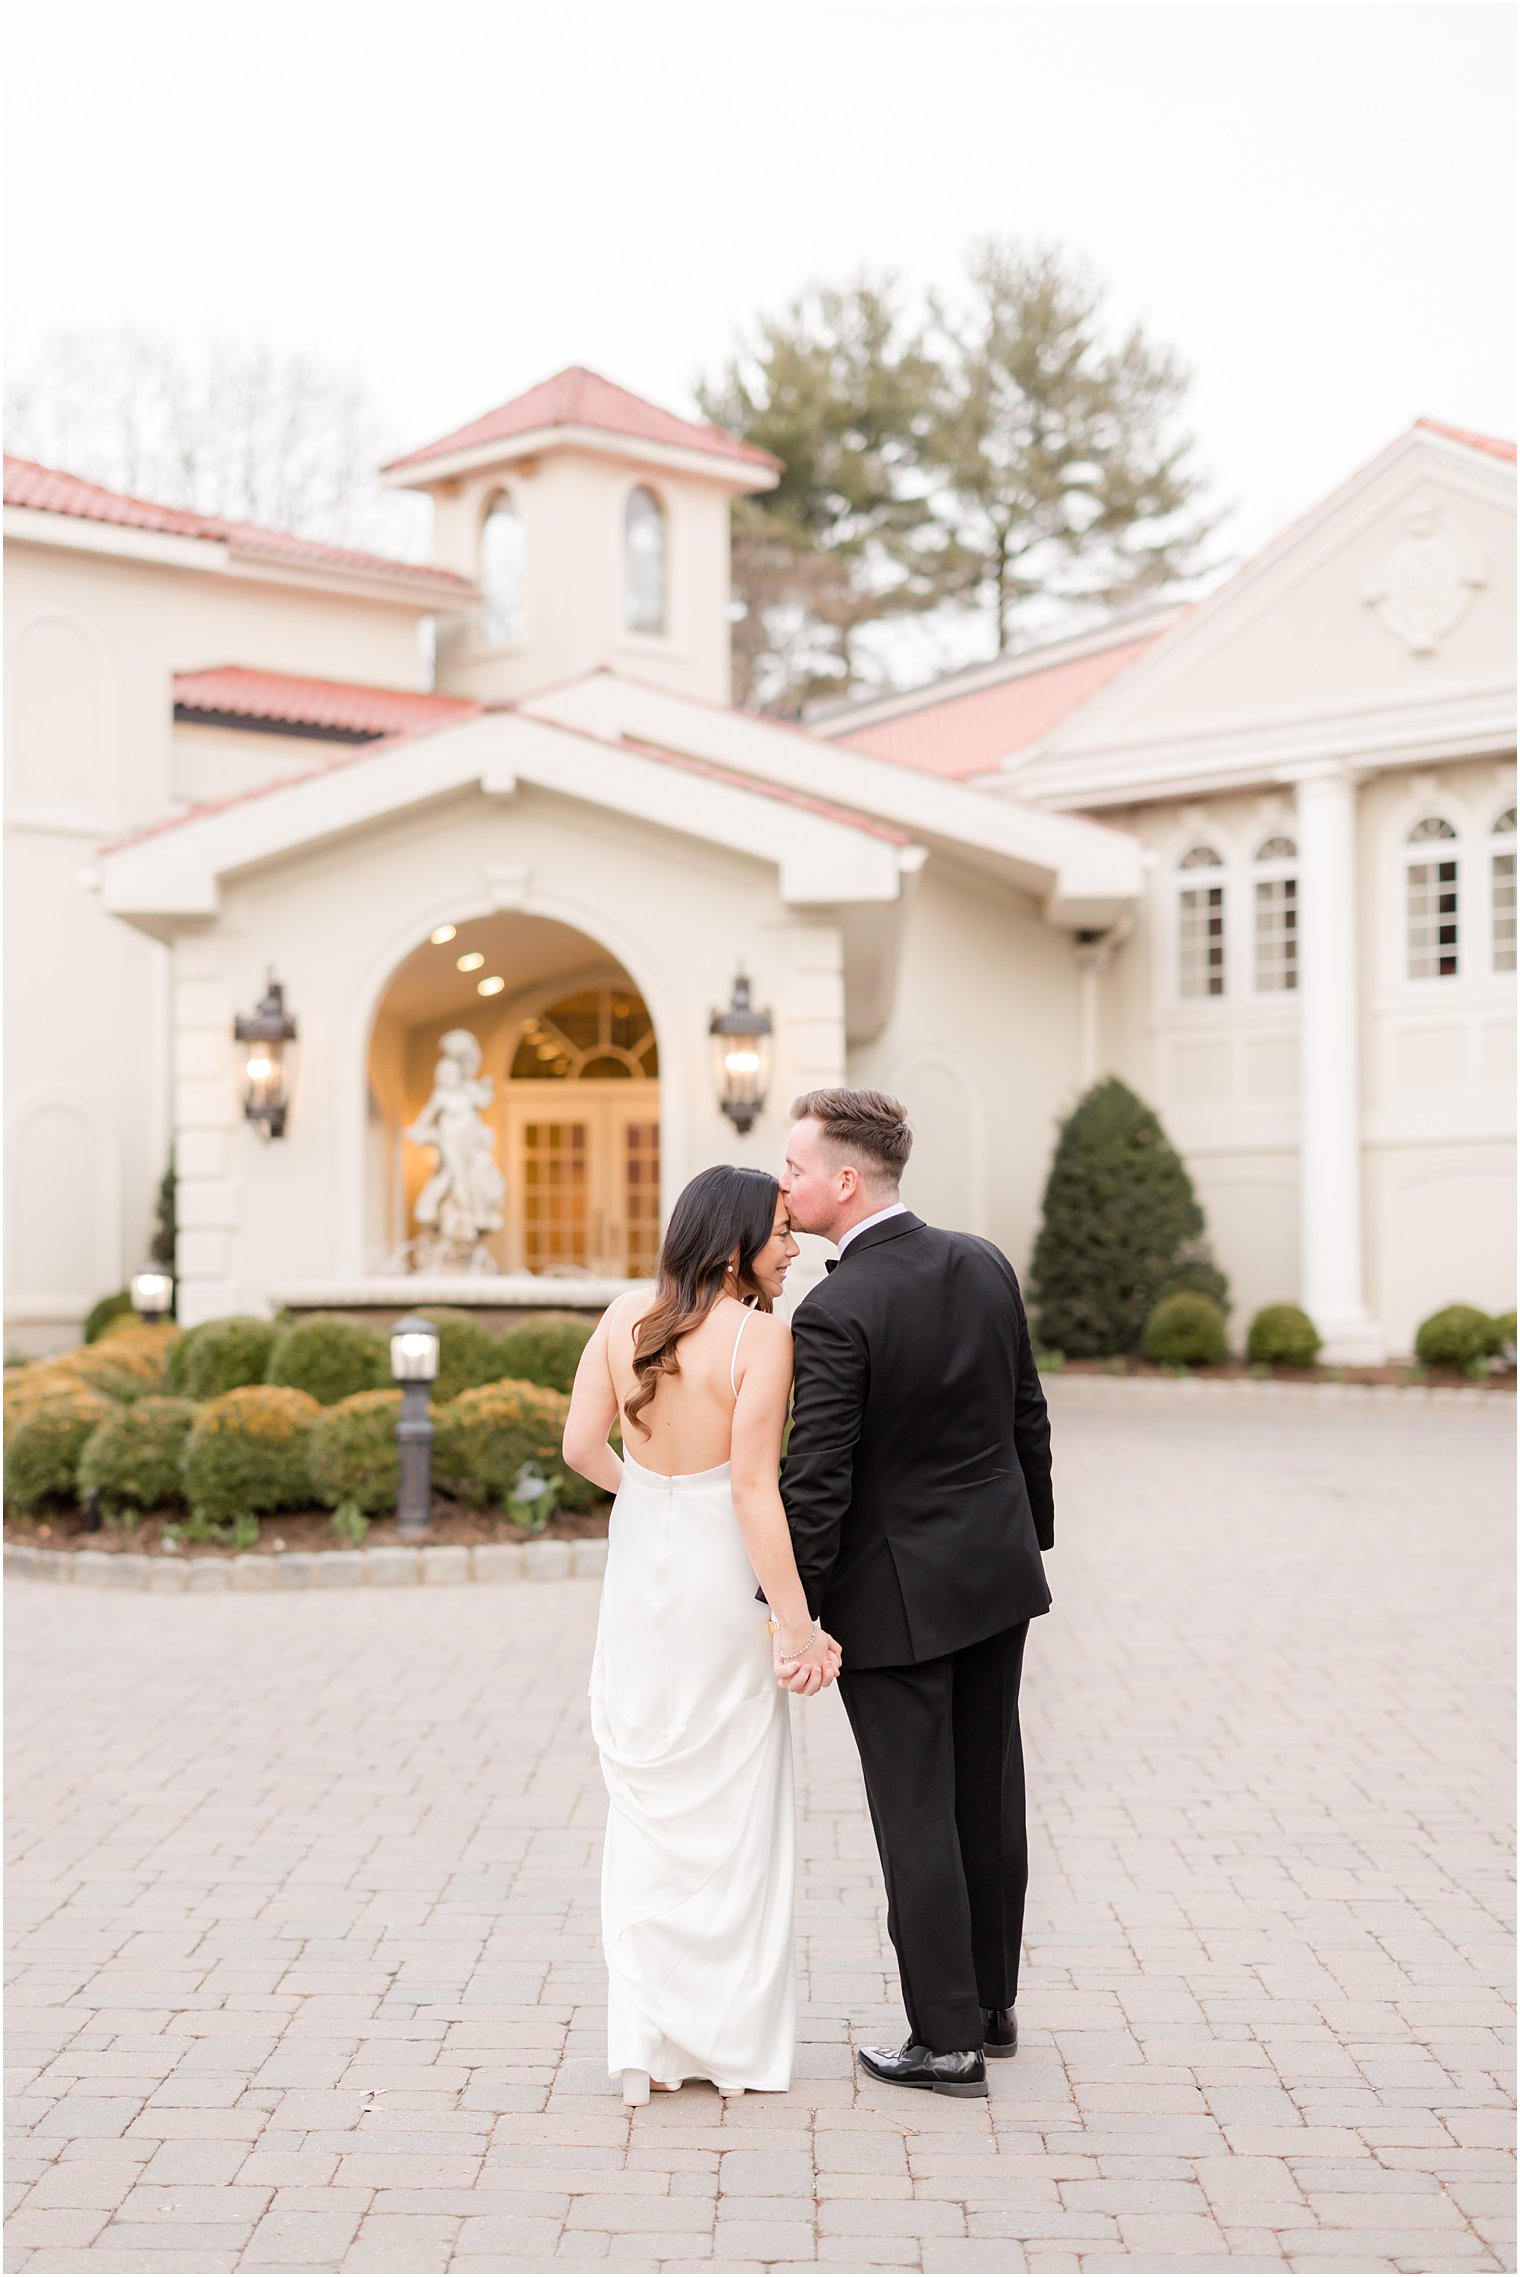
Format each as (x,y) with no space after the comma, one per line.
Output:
(427,1564)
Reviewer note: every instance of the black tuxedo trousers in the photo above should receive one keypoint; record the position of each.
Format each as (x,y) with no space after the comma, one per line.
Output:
(943,1761)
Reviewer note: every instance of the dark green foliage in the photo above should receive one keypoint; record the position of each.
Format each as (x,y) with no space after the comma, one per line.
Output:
(46,1438)
(102,1314)
(548,1353)
(332,1359)
(354,1456)
(1185,1331)
(485,1436)
(249,1451)
(133,1458)
(165,1229)
(1455,1337)
(469,1353)
(1504,1324)
(1283,1336)
(1121,1229)
(220,1355)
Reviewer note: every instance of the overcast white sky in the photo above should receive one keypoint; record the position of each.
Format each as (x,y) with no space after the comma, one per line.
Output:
(1312,202)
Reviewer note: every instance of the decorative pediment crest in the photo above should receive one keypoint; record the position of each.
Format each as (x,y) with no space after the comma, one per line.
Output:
(1425,584)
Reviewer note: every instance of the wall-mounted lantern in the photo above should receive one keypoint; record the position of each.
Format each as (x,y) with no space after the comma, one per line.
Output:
(741,1046)
(152,1292)
(414,1364)
(263,1037)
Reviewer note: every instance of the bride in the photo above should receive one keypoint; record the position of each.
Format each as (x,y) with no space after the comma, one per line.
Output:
(689,1717)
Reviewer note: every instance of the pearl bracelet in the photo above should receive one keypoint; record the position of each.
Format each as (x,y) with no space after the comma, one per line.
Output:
(775,1629)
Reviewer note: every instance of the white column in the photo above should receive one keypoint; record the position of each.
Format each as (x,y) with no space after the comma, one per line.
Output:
(1330,1162)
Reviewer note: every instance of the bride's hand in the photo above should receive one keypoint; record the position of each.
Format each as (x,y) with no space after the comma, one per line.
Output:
(813,1669)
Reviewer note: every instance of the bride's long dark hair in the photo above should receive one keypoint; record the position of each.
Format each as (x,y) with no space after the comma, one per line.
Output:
(720,1210)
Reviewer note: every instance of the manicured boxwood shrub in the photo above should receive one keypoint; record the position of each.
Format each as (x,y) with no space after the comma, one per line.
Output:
(1185,1331)
(133,1458)
(332,1359)
(220,1355)
(484,1437)
(469,1353)
(546,1352)
(1121,1229)
(126,1366)
(1283,1336)
(1456,1337)
(1504,1323)
(46,1439)
(354,1456)
(100,1316)
(249,1451)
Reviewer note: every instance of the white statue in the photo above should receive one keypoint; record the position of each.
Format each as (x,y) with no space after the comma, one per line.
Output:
(462,1201)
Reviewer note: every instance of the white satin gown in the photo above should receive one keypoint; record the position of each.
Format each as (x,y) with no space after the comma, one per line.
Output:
(694,1733)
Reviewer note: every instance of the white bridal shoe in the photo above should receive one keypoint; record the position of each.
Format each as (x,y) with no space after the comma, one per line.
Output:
(636,2086)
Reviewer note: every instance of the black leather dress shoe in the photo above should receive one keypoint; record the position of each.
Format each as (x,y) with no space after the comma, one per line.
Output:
(961,2072)
(1000,2032)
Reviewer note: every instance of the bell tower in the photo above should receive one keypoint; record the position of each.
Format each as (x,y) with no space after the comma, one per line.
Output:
(596,527)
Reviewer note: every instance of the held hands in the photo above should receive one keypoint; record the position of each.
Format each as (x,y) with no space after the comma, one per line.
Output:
(805,1665)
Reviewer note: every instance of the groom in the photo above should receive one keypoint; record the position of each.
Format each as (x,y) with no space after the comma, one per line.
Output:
(917,1489)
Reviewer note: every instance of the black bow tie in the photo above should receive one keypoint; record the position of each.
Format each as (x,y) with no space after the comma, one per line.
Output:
(829,1264)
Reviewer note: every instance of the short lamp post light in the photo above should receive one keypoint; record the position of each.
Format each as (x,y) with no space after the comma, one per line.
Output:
(263,1037)
(741,1047)
(152,1294)
(414,1364)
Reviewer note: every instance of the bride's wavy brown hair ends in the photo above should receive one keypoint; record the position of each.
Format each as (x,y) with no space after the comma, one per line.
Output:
(721,1210)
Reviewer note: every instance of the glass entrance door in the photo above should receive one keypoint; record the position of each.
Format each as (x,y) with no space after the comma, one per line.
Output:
(583,1177)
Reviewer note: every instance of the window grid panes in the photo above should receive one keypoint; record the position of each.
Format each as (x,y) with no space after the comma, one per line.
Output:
(644,562)
(641,1194)
(1276,913)
(1200,929)
(555,1163)
(1503,890)
(1431,913)
(603,1032)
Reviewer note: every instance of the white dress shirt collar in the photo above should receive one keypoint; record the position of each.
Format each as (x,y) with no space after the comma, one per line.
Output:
(877,1217)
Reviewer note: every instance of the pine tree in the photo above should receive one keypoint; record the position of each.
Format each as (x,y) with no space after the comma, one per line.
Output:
(1121,1228)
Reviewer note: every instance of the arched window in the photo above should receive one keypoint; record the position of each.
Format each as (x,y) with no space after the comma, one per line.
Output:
(501,574)
(1276,912)
(1430,900)
(602,1033)
(1502,882)
(644,562)
(1200,926)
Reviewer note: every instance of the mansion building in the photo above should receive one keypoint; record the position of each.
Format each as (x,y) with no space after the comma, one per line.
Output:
(1256,856)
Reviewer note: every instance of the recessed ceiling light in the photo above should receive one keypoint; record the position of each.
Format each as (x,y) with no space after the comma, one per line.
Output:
(442,933)
(492,985)
(471,961)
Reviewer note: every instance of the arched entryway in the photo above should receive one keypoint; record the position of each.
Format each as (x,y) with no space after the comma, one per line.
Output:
(569,1049)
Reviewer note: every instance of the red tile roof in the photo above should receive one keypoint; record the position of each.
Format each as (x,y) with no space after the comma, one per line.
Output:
(973,733)
(239,692)
(1494,444)
(578,398)
(45,490)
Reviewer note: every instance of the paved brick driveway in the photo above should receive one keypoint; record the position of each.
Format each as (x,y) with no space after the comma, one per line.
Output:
(304,1909)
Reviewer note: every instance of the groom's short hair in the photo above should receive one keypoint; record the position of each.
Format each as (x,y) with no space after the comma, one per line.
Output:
(870,1126)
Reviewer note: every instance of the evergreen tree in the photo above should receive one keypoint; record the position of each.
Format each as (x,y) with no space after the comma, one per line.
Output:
(1121,1228)
(1060,458)
(161,1248)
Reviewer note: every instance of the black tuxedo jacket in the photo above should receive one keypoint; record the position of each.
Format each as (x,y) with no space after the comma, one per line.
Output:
(917,1477)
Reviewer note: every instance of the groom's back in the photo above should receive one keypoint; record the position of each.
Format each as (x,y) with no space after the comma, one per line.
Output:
(918,1343)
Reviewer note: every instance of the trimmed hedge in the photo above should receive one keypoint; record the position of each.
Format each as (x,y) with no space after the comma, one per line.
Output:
(484,1437)
(133,1459)
(1283,1336)
(1121,1229)
(546,1352)
(469,1353)
(1185,1331)
(220,1355)
(354,1457)
(47,1438)
(249,1451)
(100,1316)
(126,1364)
(332,1359)
(1504,1323)
(1456,1337)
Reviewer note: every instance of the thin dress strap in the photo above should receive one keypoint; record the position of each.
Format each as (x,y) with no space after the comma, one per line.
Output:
(733,1363)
